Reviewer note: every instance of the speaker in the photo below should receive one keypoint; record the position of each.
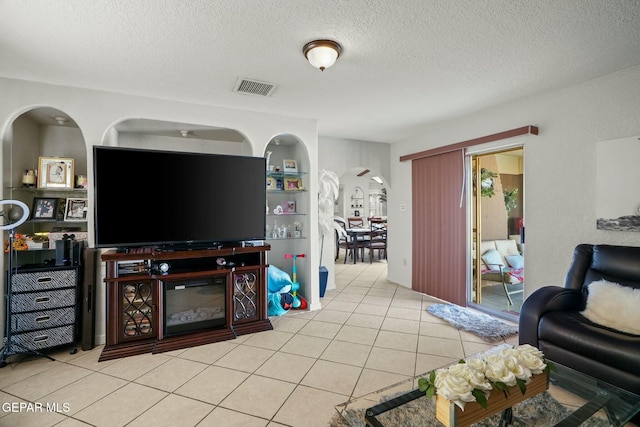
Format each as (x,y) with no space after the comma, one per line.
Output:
(69,251)
(88,294)
(62,250)
(75,251)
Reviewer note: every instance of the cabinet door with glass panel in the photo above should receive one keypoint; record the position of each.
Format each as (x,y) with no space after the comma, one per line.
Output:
(137,309)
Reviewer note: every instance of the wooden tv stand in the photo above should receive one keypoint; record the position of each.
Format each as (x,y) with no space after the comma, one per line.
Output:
(135,284)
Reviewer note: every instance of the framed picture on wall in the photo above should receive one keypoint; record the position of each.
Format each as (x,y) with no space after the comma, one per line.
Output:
(617,168)
(55,172)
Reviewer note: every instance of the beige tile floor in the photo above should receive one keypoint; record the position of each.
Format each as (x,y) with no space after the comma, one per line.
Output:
(370,333)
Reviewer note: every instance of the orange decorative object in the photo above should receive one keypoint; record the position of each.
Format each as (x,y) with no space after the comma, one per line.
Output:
(19,243)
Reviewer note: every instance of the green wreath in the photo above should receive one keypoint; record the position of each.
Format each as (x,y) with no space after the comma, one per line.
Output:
(486,182)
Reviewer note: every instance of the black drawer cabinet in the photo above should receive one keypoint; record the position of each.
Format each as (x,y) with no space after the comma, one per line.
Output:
(43,309)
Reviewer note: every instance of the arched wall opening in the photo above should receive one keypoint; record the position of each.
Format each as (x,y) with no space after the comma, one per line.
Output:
(44,166)
(363,193)
(175,136)
(290,220)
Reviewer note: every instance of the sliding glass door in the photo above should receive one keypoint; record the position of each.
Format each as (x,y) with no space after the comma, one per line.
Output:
(496,225)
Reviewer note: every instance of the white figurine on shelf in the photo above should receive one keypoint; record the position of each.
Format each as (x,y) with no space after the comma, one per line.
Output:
(268,157)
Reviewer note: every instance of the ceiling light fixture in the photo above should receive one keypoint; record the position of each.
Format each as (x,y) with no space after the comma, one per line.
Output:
(184,133)
(322,54)
(60,120)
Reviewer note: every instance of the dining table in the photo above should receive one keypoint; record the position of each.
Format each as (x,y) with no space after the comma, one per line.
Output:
(358,237)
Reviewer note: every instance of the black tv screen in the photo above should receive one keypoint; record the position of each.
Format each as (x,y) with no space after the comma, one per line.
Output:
(164,198)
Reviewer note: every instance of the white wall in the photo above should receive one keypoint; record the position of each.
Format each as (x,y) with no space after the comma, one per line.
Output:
(194,145)
(342,156)
(95,112)
(560,170)
(618,168)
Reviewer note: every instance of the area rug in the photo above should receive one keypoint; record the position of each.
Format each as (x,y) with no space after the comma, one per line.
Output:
(486,327)
(541,410)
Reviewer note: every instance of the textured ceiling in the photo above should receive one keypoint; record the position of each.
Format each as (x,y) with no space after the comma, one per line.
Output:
(406,64)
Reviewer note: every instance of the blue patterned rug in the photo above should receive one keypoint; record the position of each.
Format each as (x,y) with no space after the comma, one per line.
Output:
(486,327)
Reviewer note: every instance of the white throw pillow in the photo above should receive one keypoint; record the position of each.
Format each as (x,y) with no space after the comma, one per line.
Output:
(614,306)
(515,261)
(493,257)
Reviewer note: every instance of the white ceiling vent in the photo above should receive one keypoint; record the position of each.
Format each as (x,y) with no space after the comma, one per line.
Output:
(254,87)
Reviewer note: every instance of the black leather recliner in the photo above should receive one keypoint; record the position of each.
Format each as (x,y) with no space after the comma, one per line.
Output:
(550,318)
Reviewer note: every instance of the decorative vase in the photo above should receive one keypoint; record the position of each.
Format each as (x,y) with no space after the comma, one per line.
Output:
(449,414)
(324,277)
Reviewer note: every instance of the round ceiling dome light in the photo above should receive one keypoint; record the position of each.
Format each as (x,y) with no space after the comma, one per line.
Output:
(322,54)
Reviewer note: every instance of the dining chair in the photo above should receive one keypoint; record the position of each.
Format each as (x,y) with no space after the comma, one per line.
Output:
(344,240)
(378,225)
(356,222)
(378,239)
(341,237)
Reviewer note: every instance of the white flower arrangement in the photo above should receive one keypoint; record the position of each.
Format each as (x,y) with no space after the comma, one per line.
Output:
(473,380)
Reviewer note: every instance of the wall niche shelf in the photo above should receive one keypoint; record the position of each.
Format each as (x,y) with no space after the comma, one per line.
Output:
(55,288)
(283,174)
(285,182)
(294,200)
(285,238)
(48,190)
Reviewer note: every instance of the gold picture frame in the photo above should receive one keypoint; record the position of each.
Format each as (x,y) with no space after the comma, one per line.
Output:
(271,183)
(292,184)
(55,172)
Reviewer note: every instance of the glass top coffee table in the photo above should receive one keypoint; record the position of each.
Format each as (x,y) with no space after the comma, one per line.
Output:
(617,405)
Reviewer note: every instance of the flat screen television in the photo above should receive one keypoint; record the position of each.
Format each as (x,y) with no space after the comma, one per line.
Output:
(176,199)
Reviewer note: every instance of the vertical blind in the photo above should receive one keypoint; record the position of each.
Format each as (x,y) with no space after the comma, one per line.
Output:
(439,217)
(439,223)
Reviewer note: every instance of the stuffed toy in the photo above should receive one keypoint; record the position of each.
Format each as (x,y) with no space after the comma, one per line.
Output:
(279,285)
